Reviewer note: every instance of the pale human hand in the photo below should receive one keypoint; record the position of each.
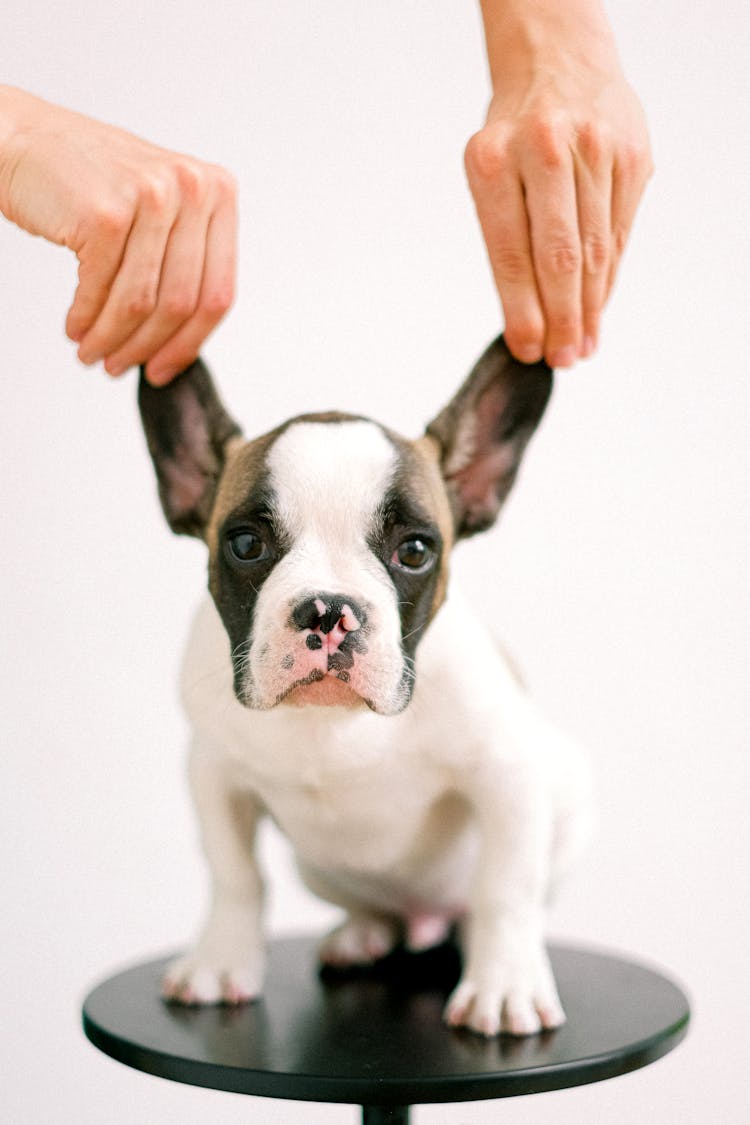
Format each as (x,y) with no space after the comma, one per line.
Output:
(556,173)
(154,232)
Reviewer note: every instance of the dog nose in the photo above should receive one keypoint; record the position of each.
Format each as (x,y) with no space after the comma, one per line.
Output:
(325,613)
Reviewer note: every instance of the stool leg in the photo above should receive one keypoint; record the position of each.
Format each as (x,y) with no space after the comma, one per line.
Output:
(385,1115)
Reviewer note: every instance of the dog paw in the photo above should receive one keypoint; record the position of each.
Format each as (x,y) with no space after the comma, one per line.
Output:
(195,979)
(511,1006)
(359,941)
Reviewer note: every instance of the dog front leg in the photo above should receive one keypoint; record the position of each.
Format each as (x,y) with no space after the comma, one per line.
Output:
(226,964)
(507,982)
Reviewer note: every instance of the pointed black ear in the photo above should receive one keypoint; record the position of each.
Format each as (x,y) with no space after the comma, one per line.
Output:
(483,432)
(186,429)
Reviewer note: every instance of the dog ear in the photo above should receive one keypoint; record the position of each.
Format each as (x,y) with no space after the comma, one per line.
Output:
(483,432)
(186,429)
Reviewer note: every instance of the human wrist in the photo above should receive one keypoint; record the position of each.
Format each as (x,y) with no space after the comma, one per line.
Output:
(527,37)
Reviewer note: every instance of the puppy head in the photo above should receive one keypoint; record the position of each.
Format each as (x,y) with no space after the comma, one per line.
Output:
(329,537)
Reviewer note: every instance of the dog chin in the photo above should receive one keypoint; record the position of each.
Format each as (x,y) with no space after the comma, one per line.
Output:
(326,691)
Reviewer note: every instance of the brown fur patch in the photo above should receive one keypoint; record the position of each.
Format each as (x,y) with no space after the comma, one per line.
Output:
(244,465)
(428,453)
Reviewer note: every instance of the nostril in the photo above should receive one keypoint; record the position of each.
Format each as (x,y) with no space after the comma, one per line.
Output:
(326,612)
(306,615)
(348,620)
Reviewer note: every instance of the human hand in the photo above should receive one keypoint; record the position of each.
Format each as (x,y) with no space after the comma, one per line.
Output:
(556,173)
(154,232)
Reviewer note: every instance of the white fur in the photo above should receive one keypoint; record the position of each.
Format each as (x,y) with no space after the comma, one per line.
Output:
(465,806)
(328,482)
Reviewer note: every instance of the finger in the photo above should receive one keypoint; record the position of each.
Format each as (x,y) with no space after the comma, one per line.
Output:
(593,175)
(549,181)
(216,295)
(499,200)
(179,291)
(134,291)
(629,177)
(99,260)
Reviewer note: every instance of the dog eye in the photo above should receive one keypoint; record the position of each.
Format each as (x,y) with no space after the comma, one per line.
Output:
(246,546)
(413,554)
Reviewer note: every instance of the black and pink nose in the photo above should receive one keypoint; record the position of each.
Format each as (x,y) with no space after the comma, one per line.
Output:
(331,615)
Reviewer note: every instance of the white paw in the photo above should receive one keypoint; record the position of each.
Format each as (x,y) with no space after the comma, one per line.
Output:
(519,1003)
(360,940)
(200,979)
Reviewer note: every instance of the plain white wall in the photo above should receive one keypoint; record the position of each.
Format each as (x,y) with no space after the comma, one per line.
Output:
(618,576)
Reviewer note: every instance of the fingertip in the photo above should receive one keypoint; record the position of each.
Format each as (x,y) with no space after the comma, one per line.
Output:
(528,353)
(589,347)
(525,347)
(86,357)
(159,376)
(75,326)
(524,332)
(562,357)
(115,367)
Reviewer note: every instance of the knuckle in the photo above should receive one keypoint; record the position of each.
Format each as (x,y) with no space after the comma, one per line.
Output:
(619,239)
(139,303)
(634,161)
(511,264)
(548,141)
(225,184)
(155,193)
(112,219)
(563,323)
(218,299)
(191,180)
(561,258)
(592,142)
(485,156)
(595,253)
(178,305)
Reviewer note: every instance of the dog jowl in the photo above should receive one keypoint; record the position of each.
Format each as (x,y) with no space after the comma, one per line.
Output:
(336,681)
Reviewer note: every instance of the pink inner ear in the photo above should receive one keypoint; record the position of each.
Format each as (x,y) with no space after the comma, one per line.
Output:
(477,483)
(193,462)
(489,460)
(185,485)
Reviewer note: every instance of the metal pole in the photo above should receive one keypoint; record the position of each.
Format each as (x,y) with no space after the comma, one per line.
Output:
(385,1115)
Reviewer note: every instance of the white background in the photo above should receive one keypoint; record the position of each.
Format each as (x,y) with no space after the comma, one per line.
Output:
(618,575)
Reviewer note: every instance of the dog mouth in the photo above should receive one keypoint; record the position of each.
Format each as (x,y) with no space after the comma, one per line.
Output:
(323,689)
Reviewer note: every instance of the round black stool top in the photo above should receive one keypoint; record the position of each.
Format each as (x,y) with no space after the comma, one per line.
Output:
(377,1037)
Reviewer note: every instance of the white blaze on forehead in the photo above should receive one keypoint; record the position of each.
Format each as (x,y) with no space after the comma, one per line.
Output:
(329,478)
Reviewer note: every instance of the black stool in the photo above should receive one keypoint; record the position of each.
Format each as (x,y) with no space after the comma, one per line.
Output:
(377,1038)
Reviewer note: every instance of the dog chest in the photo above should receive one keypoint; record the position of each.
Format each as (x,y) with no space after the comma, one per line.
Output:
(370,822)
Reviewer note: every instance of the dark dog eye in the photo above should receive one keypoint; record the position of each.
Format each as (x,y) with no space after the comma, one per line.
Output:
(246,546)
(413,554)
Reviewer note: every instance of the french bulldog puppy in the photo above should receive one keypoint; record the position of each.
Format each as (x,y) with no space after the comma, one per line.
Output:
(336,683)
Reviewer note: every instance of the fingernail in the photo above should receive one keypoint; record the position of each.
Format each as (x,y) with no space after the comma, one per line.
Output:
(563,357)
(589,347)
(114,369)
